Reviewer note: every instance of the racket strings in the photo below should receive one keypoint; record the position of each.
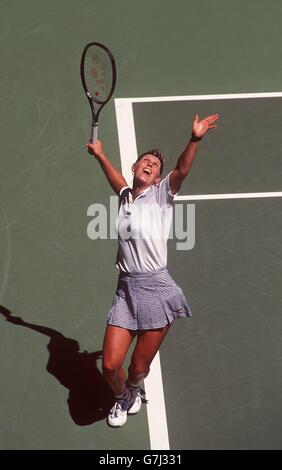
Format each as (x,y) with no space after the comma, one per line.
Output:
(98,73)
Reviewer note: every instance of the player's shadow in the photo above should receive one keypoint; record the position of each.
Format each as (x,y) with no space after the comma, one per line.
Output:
(90,398)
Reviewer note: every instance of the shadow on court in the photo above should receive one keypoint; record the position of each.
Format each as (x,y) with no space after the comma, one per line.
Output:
(90,398)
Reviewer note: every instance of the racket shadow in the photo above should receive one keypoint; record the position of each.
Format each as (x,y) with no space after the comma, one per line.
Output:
(90,397)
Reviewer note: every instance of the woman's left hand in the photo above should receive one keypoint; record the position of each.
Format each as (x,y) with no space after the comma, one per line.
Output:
(201,127)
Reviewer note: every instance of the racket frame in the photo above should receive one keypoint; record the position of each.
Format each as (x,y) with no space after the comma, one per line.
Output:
(92,99)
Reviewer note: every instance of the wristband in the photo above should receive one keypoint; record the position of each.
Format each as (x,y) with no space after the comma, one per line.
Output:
(194,138)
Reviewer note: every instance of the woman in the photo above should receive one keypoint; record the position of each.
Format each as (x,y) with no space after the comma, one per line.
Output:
(147,299)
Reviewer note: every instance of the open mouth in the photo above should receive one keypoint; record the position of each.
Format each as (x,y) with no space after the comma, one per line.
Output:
(147,171)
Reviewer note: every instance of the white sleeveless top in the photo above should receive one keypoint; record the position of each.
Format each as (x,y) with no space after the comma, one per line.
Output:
(143,226)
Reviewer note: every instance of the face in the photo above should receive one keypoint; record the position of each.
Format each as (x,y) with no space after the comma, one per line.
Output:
(147,170)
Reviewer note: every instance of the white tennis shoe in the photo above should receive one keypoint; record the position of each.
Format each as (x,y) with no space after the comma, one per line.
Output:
(117,416)
(136,406)
(130,404)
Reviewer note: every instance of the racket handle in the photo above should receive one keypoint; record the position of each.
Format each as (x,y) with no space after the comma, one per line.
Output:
(94,133)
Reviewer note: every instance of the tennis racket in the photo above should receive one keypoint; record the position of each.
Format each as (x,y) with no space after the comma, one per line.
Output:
(98,77)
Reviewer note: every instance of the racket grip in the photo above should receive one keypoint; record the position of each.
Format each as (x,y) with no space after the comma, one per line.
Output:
(94,133)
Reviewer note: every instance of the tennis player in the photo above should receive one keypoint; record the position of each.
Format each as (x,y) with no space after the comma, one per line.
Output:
(147,299)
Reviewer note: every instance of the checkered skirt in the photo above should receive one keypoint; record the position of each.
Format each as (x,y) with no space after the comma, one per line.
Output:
(145,301)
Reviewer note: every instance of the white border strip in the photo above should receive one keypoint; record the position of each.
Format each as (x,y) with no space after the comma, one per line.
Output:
(157,421)
(156,412)
(232,96)
(206,197)
(126,136)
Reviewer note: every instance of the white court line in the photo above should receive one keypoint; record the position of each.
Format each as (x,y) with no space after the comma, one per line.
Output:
(231,96)
(157,421)
(126,137)
(206,197)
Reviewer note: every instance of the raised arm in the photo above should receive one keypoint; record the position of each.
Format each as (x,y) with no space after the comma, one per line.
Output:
(184,163)
(113,175)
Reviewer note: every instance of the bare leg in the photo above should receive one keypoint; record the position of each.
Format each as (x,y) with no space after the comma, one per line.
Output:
(148,344)
(116,344)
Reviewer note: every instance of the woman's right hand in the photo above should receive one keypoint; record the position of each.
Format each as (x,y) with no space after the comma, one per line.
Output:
(96,149)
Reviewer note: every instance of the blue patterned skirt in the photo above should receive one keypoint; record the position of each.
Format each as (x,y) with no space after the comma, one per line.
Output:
(145,301)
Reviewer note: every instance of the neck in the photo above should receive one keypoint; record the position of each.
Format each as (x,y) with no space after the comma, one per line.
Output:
(139,187)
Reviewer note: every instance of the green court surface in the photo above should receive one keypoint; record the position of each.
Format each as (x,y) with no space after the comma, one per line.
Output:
(221,370)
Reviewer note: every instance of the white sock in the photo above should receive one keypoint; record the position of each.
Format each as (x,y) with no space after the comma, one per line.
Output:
(131,385)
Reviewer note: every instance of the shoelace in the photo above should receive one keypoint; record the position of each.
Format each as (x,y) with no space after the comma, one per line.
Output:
(116,410)
(134,390)
(139,395)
